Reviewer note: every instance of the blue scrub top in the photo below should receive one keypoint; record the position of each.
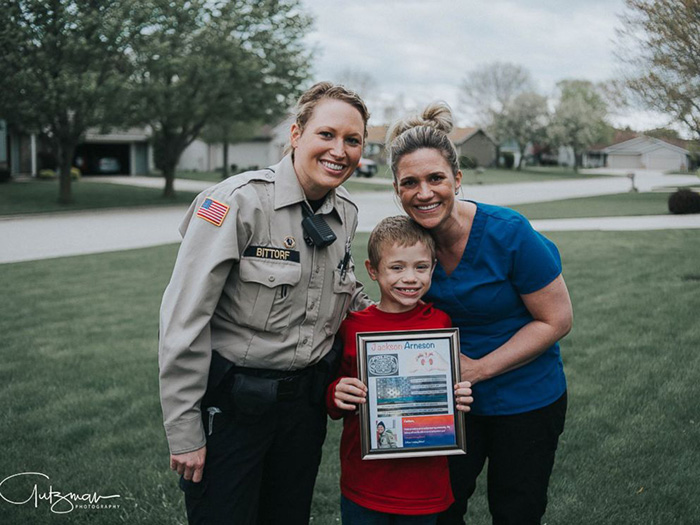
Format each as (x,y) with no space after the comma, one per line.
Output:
(504,258)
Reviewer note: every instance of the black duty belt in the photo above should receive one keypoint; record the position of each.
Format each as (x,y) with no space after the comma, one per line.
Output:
(291,384)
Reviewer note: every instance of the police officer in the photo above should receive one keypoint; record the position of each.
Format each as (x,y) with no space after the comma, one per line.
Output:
(261,283)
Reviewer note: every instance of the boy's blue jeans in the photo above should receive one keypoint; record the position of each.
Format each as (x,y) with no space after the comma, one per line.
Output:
(354,514)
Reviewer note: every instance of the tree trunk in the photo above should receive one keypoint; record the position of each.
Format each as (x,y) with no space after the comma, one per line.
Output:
(169,174)
(577,161)
(65,160)
(225,172)
(520,160)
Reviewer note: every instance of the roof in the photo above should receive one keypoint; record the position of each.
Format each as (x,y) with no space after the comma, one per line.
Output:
(377,134)
(117,135)
(640,145)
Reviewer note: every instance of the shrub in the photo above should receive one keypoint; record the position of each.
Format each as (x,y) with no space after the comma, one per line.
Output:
(5,175)
(75,174)
(684,201)
(47,174)
(508,160)
(467,163)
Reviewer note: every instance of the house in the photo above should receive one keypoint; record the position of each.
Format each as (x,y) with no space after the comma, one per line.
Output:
(472,142)
(264,148)
(123,152)
(645,152)
(476,144)
(19,152)
(631,150)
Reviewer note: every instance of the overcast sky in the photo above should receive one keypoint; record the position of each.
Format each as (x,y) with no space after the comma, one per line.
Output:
(423,49)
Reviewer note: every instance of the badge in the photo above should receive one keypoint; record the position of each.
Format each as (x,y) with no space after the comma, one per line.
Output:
(289,242)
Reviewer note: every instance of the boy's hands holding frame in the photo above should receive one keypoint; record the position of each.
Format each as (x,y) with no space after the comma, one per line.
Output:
(350,391)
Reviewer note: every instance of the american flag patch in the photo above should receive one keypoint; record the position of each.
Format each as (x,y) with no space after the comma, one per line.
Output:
(213,211)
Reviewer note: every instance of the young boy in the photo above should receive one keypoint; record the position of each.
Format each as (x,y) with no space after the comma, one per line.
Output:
(397,491)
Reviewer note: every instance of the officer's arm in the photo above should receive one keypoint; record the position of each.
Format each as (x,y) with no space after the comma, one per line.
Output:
(203,264)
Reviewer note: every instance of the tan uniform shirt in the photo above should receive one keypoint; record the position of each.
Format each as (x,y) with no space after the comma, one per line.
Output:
(249,287)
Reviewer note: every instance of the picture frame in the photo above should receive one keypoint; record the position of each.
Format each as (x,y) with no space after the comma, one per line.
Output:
(410,410)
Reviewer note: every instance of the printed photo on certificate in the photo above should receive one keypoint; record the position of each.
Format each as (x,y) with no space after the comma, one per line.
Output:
(410,409)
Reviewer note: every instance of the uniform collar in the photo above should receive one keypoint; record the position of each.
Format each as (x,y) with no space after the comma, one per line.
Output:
(288,191)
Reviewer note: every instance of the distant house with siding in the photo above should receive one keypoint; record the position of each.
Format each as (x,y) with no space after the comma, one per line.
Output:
(646,153)
(631,150)
(264,148)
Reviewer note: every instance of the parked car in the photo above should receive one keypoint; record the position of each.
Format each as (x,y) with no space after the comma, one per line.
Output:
(109,165)
(366,168)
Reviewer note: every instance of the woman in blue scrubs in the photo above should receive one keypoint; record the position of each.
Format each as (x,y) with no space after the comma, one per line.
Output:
(501,283)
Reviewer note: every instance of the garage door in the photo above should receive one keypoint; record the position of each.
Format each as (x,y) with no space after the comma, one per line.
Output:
(664,162)
(624,162)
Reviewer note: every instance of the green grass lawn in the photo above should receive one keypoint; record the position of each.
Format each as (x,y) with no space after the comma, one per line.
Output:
(503,176)
(620,204)
(528,174)
(79,394)
(352,184)
(490,176)
(41,196)
(211,176)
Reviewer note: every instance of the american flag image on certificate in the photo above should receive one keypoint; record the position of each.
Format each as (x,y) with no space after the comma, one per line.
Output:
(412,396)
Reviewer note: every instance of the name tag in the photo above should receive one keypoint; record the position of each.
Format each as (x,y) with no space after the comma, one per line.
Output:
(275,254)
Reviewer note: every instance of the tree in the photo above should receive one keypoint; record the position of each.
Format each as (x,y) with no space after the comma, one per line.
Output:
(579,118)
(219,62)
(363,83)
(524,120)
(63,66)
(662,38)
(488,90)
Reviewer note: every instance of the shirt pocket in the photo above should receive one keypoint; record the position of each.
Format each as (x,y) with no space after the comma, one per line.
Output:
(340,299)
(263,297)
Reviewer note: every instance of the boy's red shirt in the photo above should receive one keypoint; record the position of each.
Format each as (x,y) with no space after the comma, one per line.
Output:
(397,486)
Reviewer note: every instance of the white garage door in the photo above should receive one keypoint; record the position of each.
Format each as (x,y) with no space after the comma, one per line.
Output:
(664,162)
(624,162)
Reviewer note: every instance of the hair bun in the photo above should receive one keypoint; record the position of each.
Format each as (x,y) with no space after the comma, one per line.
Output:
(437,115)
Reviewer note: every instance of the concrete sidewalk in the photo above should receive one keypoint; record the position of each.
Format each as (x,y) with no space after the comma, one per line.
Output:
(60,234)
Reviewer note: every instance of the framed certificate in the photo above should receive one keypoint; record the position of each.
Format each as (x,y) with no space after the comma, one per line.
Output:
(410,410)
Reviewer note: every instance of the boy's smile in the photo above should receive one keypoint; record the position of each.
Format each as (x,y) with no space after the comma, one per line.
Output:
(403,276)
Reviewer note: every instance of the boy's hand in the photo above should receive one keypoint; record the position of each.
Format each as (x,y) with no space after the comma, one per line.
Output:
(350,390)
(463,396)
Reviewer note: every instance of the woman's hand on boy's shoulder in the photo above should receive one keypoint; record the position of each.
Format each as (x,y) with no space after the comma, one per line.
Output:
(463,396)
(350,391)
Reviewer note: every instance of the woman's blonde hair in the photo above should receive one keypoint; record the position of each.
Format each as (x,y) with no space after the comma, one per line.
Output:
(427,130)
(326,90)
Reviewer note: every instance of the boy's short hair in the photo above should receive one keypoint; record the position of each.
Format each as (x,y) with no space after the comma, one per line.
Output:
(397,230)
